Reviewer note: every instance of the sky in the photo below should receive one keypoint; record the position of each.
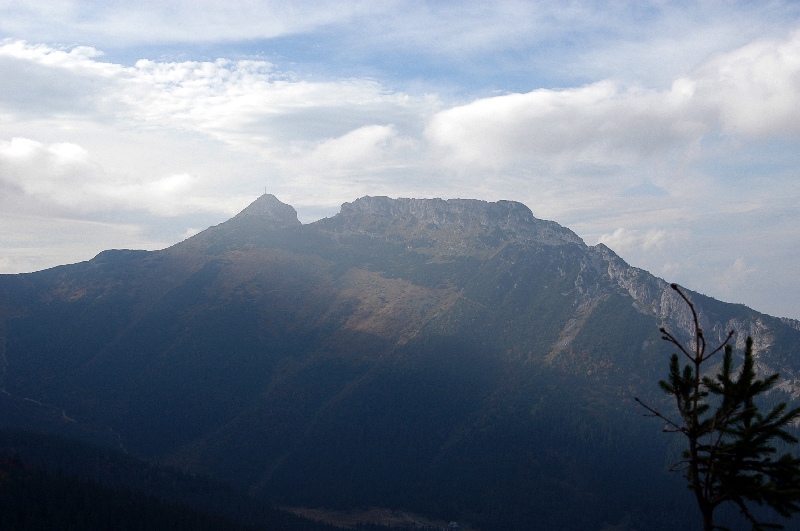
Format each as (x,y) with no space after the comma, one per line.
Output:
(669,131)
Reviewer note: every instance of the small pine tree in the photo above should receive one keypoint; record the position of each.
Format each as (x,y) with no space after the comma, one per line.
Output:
(731,456)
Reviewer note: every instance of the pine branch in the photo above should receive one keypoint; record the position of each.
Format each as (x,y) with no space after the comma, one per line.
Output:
(730,456)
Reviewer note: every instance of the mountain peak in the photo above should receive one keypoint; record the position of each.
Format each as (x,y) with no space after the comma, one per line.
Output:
(271,209)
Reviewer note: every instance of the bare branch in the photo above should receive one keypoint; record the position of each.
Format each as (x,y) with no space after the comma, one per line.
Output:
(656,413)
(672,339)
(721,345)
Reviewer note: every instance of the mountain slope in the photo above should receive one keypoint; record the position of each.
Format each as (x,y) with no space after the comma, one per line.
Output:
(457,358)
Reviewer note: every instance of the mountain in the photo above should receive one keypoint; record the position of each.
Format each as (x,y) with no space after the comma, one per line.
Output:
(454,358)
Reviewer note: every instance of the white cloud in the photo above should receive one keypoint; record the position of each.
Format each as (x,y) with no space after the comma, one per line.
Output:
(756,88)
(66,152)
(244,103)
(59,172)
(249,105)
(627,239)
(596,124)
(19,148)
(74,57)
(367,149)
(64,174)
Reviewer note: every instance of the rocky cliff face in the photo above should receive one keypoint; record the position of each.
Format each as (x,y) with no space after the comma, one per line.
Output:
(653,295)
(455,225)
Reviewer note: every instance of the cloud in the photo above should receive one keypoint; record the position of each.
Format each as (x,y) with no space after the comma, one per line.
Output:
(32,89)
(362,148)
(245,103)
(64,176)
(734,276)
(755,88)
(598,124)
(486,44)
(626,239)
(60,172)
(175,21)
(446,28)
(603,125)
(750,92)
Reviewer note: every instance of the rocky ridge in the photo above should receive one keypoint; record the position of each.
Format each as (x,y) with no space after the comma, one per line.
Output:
(454,225)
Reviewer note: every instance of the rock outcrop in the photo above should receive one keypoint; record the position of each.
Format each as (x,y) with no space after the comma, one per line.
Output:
(448,226)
